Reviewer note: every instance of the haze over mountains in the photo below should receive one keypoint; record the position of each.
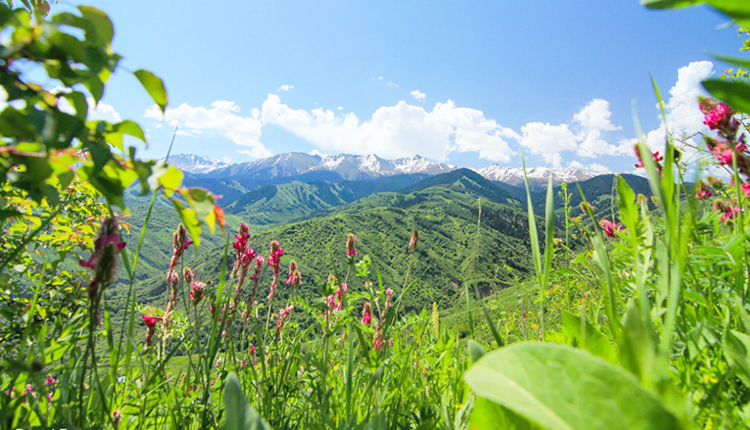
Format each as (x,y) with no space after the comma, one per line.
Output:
(308,167)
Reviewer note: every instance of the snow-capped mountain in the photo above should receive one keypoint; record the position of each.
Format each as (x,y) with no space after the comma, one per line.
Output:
(538,176)
(346,166)
(196,163)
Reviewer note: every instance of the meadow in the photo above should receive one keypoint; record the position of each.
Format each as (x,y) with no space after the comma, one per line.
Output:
(634,317)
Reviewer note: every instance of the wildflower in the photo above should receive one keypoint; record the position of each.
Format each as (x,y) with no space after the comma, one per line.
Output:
(609,227)
(116,417)
(656,156)
(746,188)
(50,380)
(274,260)
(241,238)
(295,277)
(350,250)
(435,319)
(50,396)
(414,240)
(703,191)
(150,322)
(103,259)
(340,291)
(717,115)
(188,276)
(197,292)
(728,210)
(378,343)
(180,243)
(283,314)
(252,350)
(108,233)
(367,314)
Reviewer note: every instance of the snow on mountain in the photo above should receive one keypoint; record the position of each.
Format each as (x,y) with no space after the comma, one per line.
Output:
(359,167)
(196,163)
(538,176)
(347,166)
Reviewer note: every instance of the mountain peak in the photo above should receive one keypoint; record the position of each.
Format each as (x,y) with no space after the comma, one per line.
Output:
(196,163)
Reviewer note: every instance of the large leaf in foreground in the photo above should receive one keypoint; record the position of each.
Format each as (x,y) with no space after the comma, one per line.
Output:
(559,387)
(240,415)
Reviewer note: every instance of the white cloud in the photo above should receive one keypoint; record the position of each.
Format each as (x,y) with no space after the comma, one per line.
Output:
(420,96)
(597,168)
(396,131)
(593,167)
(102,112)
(391,84)
(223,117)
(595,116)
(285,88)
(594,146)
(683,114)
(340,108)
(548,140)
(96,112)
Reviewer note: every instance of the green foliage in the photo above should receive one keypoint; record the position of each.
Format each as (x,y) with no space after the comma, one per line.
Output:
(558,387)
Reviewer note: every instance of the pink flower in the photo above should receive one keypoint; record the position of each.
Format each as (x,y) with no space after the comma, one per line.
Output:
(197,292)
(283,314)
(350,251)
(116,417)
(717,116)
(609,227)
(703,191)
(252,350)
(367,314)
(150,320)
(746,188)
(50,396)
(50,380)
(414,240)
(656,155)
(723,153)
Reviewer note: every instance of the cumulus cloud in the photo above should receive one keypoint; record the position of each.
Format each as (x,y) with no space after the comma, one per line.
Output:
(396,131)
(548,140)
(340,108)
(223,117)
(285,88)
(96,112)
(595,116)
(420,96)
(585,135)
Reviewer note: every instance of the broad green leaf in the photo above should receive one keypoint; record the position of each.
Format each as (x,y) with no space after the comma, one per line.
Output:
(588,337)
(488,415)
(669,4)
(741,62)
(240,415)
(562,388)
(131,129)
(738,10)
(476,351)
(737,348)
(171,179)
(736,94)
(100,24)
(154,86)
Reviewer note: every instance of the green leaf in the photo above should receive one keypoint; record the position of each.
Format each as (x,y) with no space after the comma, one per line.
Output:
(588,337)
(476,351)
(489,415)
(669,4)
(562,388)
(99,22)
(154,86)
(171,179)
(737,348)
(240,415)
(736,94)
(738,10)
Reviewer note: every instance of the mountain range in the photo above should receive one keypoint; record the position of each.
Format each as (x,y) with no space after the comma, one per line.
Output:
(346,167)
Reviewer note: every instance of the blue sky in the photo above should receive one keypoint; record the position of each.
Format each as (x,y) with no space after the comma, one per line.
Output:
(467,83)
